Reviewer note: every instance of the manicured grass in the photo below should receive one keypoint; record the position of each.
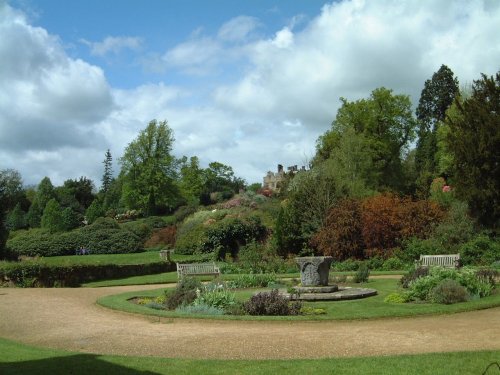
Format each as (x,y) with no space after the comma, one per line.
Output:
(367,308)
(171,277)
(20,359)
(134,258)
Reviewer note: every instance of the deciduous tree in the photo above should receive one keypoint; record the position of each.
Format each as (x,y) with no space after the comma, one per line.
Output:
(149,170)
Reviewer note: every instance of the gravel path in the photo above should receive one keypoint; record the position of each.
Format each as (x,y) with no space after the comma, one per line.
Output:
(70,319)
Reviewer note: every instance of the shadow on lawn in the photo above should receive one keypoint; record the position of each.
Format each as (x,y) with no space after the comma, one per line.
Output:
(72,364)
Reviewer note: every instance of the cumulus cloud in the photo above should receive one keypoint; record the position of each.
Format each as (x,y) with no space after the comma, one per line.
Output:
(352,47)
(58,114)
(48,101)
(113,44)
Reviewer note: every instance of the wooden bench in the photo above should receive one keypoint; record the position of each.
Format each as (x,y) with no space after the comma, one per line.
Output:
(197,269)
(446,260)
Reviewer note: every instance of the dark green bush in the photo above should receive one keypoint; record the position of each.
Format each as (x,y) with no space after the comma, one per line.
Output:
(155,222)
(414,247)
(362,274)
(35,274)
(271,303)
(449,292)
(183,212)
(183,294)
(347,265)
(103,237)
(481,250)
(226,236)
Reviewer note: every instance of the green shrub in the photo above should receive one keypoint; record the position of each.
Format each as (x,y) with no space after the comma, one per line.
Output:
(215,295)
(362,274)
(412,275)
(183,212)
(252,281)
(456,229)
(394,264)
(183,294)
(347,265)
(448,292)
(396,298)
(271,303)
(34,274)
(155,222)
(421,288)
(481,250)
(227,235)
(413,247)
(200,309)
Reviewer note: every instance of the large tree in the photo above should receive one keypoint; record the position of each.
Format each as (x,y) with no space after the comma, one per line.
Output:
(385,125)
(149,170)
(13,188)
(474,142)
(436,97)
(191,180)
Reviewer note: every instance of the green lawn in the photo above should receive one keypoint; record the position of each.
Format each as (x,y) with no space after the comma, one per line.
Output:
(171,277)
(134,258)
(367,308)
(20,359)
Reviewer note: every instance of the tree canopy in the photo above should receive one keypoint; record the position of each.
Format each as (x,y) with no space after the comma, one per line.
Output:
(474,142)
(149,170)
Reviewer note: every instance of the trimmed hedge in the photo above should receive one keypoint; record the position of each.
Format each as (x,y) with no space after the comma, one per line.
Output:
(34,274)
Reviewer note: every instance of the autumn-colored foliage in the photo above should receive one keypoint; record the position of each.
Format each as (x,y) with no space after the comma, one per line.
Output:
(341,235)
(162,236)
(375,226)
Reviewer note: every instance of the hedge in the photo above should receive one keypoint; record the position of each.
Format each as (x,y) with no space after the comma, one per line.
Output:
(34,274)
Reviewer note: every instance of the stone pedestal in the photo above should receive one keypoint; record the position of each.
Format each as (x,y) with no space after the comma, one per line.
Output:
(314,270)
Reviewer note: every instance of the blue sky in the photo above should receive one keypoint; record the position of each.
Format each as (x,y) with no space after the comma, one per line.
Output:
(247,83)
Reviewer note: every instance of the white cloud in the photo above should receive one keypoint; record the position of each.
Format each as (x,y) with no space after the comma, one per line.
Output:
(353,47)
(58,115)
(49,103)
(238,29)
(113,44)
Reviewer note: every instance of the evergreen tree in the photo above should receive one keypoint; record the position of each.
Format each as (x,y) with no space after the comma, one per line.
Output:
(474,142)
(107,177)
(16,219)
(436,97)
(34,215)
(52,218)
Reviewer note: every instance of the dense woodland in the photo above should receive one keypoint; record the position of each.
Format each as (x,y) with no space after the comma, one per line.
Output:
(387,182)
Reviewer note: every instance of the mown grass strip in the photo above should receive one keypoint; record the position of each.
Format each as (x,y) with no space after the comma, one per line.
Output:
(20,359)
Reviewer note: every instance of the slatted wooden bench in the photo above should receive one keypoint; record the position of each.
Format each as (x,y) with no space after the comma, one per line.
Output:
(197,269)
(446,260)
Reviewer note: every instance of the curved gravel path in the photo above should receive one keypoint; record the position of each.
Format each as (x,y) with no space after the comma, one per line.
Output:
(70,319)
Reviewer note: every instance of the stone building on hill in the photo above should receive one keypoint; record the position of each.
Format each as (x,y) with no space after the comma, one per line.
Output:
(272,180)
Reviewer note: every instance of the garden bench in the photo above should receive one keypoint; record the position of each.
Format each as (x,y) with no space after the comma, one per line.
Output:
(446,260)
(197,269)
